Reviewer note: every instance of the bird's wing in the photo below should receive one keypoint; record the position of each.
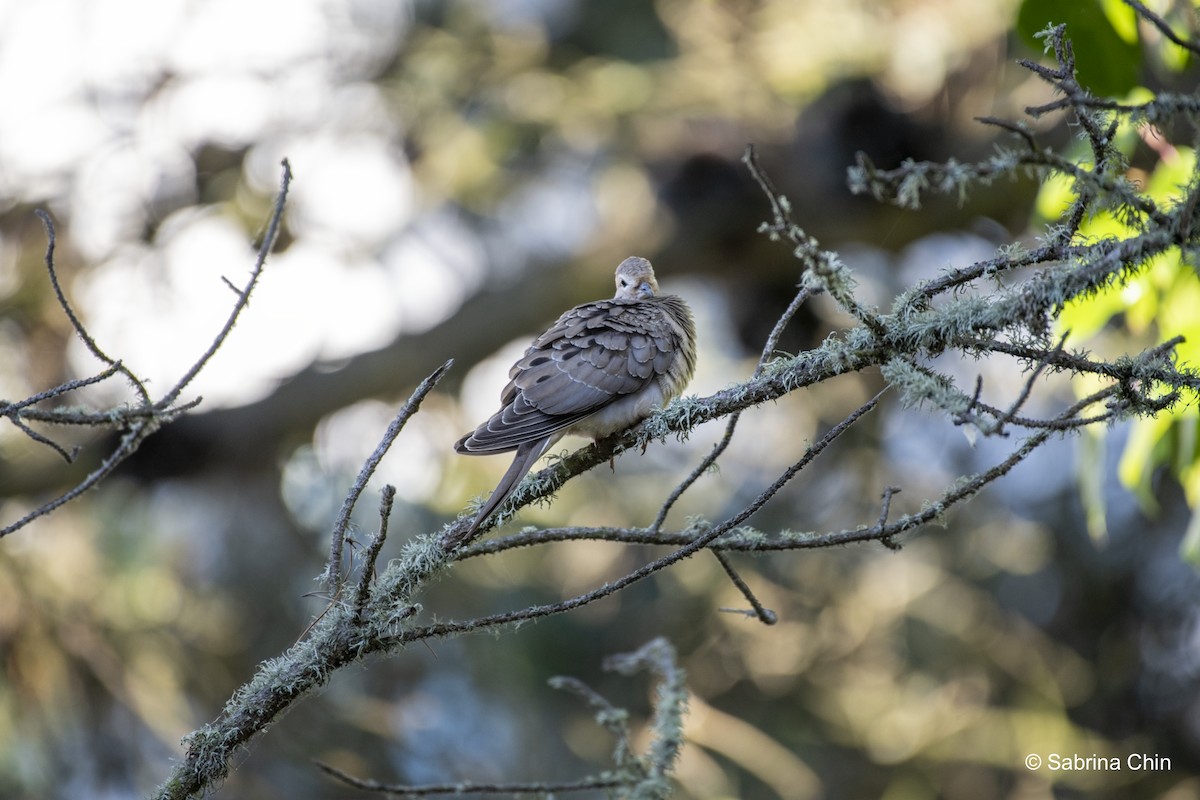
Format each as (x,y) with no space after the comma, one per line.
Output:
(595,354)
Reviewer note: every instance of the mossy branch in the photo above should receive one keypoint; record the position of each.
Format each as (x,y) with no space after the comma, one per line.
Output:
(1003,306)
(133,422)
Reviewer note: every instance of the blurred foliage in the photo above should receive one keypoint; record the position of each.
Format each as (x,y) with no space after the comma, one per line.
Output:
(1108,40)
(1158,305)
(1161,301)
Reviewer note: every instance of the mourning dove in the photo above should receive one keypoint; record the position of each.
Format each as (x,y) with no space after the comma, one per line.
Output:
(602,367)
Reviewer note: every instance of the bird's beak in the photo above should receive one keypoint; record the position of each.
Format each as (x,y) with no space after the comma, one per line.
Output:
(644,290)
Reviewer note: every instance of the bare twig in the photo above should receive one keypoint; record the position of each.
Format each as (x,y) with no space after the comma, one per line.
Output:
(12,409)
(824,266)
(691,548)
(387,497)
(128,444)
(243,294)
(142,420)
(1158,22)
(80,330)
(640,777)
(1013,127)
(764,615)
(884,511)
(45,440)
(769,349)
(939,316)
(333,577)
(467,787)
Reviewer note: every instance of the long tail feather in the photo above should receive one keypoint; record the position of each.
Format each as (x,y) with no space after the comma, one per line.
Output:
(527,455)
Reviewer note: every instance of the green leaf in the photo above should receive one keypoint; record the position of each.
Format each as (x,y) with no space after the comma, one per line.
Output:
(1105,62)
(1091,482)
(1189,548)
(1147,447)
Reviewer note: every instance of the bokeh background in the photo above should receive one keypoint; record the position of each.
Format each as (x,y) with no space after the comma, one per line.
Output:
(465,170)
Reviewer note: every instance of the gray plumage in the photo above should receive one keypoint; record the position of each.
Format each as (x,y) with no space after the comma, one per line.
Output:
(600,368)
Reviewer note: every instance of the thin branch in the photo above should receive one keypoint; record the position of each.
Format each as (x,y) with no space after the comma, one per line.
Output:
(1163,27)
(45,440)
(119,418)
(1153,364)
(80,330)
(17,412)
(960,491)
(146,418)
(1027,389)
(956,278)
(689,549)
(243,295)
(333,577)
(769,349)
(885,511)
(387,497)
(9,409)
(1012,127)
(128,444)
(822,265)
(904,184)
(466,787)
(764,615)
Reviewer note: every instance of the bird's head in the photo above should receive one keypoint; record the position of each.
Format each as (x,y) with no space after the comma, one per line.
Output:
(635,280)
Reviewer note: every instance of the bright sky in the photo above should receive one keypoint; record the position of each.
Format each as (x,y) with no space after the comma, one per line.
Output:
(105,100)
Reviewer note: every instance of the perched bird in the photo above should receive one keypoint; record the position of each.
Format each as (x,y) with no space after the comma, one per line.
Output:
(602,367)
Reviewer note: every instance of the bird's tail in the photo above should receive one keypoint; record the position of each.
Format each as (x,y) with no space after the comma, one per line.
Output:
(527,455)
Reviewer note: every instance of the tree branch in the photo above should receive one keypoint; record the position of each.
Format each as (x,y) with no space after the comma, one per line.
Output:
(952,313)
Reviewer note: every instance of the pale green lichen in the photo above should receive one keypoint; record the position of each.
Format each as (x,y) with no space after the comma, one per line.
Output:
(919,387)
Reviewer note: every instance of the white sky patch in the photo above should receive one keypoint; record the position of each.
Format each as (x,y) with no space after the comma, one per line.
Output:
(481,387)
(160,310)
(184,111)
(352,188)
(124,41)
(47,130)
(433,267)
(106,103)
(113,186)
(344,439)
(323,305)
(236,36)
